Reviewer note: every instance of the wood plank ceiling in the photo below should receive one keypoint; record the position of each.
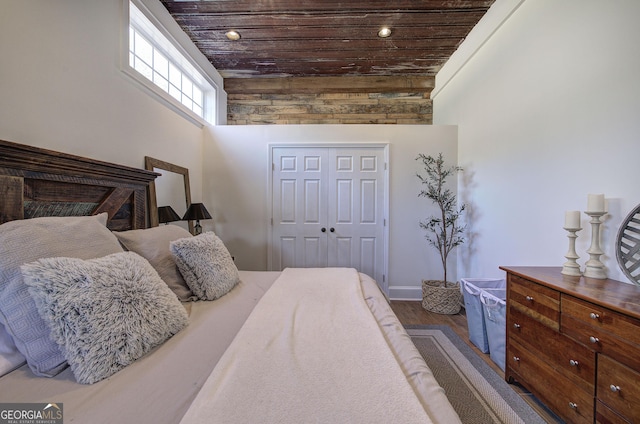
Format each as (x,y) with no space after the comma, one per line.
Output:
(313,38)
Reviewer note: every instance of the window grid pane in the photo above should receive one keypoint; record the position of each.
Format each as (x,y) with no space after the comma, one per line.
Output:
(161,81)
(131,38)
(161,64)
(143,68)
(197,96)
(175,92)
(187,86)
(175,76)
(143,49)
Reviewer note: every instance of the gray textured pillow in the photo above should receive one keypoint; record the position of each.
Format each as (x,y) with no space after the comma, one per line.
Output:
(25,241)
(206,265)
(103,313)
(153,245)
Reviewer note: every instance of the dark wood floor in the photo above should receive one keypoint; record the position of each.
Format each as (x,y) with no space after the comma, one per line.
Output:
(412,313)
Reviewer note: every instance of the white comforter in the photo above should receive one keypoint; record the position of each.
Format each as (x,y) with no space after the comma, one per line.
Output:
(321,357)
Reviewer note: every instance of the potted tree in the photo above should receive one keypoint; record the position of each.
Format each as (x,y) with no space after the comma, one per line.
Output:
(444,232)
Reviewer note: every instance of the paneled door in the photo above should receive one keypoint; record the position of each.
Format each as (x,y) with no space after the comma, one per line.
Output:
(328,208)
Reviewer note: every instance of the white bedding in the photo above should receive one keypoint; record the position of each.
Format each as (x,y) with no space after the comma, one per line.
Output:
(160,387)
(321,357)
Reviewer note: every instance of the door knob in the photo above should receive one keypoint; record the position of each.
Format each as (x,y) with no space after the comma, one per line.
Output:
(324,230)
(332,229)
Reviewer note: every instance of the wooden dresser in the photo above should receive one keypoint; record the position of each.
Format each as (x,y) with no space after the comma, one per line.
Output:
(574,342)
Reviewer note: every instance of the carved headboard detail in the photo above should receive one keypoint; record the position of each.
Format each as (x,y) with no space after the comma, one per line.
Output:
(39,182)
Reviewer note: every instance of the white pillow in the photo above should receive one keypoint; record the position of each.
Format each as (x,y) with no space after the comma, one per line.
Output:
(206,265)
(153,245)
(10,357)
(103,313)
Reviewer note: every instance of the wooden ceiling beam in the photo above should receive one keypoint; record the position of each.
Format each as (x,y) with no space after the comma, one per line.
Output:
(329,84)
(275,22)
(278,70)
(316,48)
(324,55)
(423,34)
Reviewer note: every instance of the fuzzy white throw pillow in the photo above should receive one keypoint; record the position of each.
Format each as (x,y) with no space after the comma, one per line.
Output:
(103,313)
(206,265)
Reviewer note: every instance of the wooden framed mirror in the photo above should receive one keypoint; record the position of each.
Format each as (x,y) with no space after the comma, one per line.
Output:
(171,188)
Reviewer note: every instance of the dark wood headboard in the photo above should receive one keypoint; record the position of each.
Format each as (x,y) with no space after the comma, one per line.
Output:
(38,182)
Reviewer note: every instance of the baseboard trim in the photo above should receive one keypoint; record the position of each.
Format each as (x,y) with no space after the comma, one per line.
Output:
(405,293)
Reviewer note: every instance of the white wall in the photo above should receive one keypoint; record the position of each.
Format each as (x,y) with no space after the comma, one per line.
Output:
(236,167)
(547,110)
(62,89)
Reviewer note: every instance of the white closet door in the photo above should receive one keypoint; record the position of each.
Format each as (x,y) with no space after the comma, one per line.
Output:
(356,210)
(328,208)
(299,208)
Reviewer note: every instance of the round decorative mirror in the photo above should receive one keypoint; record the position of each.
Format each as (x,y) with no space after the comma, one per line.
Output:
(628,246)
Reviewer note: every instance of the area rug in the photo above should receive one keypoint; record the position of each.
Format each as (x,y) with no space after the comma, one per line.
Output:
(475,390)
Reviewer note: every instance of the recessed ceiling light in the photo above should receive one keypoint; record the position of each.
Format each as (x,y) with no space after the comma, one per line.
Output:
(384,32)
(233,35)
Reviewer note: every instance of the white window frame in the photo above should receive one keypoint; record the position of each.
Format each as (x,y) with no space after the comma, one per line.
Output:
(155,32)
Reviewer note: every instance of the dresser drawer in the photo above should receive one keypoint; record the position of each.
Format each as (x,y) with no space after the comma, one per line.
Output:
(617,324)
(568,357)
(619,388)
(571,403)
(604,415)
(602,330)
(539,302)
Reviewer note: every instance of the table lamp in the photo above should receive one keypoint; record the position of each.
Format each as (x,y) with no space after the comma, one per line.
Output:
(196,212)
(166,214)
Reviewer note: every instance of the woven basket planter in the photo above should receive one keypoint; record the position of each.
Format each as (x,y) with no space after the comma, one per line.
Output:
(439,299)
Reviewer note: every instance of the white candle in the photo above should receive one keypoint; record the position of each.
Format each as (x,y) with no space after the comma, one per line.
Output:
(595,203)
(572,219)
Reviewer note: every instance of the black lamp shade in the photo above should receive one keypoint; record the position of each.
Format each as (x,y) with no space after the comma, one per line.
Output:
(167,214)
(196,211)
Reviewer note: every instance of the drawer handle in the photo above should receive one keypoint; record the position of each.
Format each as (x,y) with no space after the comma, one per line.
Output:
(516,359)
(614,388)
(573,363)
(529,298)
(593,315)
(594,339)
(516,326)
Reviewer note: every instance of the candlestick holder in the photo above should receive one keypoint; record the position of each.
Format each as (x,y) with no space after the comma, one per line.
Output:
(594,268)
(571,267)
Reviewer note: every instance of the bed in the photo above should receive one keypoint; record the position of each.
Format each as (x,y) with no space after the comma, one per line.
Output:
(301,345)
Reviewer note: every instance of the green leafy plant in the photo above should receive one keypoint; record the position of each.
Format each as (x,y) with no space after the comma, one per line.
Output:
(444,232)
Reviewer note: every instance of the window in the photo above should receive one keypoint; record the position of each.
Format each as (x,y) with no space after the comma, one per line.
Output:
(159,61)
